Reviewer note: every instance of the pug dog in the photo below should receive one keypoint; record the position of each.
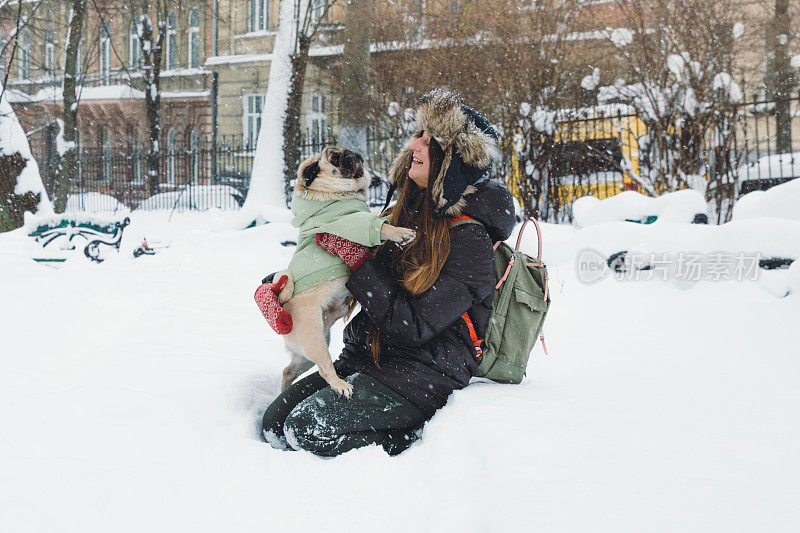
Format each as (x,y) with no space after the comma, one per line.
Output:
(324,181)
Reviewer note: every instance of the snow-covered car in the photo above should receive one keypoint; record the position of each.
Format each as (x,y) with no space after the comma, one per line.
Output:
(765,223)
(199,197)
(238,179)
(767,172)
(94,202)
(780,201)
(687,206)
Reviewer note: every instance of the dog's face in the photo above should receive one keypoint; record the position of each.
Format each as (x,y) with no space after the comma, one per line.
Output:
(334,170)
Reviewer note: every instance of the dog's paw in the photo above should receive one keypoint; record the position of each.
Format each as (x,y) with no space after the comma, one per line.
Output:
(342,388)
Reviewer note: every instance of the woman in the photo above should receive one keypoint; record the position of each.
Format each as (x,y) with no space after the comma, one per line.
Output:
(410,346)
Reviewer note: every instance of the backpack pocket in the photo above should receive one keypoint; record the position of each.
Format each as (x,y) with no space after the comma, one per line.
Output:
(534,303)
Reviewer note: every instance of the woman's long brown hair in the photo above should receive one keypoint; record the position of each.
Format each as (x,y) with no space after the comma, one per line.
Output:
(417,265)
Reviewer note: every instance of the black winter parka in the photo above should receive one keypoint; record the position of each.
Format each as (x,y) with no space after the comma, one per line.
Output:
(426,349)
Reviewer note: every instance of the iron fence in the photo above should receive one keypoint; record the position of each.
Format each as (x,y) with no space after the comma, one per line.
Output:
(589,154)
(110,179)
(764,163)
(604,150)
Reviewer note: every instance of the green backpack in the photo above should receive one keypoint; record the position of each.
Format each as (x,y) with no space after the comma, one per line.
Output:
(520,305)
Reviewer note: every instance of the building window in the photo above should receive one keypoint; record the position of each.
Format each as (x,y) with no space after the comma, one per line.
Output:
(317,123)
(172,41)
(194,38)
(317,9)
(259,15)
(171,156)
(3,56)
(251,119)
(50,52)
(105,55)
(108,163)
(134,47)
(134,156)
(194,156)
(25,56)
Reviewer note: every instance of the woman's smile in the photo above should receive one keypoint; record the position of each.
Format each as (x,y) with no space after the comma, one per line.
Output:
(420,160)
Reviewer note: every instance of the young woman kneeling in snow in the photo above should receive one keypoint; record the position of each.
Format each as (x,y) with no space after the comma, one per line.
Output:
(410,346)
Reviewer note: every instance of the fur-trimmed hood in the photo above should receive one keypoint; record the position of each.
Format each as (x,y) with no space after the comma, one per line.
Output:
(461,132)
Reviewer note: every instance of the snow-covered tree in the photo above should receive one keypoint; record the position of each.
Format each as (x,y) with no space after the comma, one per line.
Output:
(678,55)
(511,60)
(68,135)
(21,187)
(780,77)
(152,38)
(355,100)
(535,54)
(278,147)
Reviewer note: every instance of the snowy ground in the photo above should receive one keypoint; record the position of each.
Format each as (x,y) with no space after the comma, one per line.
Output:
(131,394)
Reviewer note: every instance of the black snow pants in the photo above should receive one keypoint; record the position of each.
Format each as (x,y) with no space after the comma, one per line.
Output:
(310,416)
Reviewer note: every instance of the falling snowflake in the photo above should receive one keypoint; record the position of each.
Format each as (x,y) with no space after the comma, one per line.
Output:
(591,81)
(529,167)
(621,37)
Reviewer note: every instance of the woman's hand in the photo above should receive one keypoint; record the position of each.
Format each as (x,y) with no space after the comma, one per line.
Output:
(353,254)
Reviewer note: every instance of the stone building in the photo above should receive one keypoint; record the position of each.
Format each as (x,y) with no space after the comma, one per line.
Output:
(111,112)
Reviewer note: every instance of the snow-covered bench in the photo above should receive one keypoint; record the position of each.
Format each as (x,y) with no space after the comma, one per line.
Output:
(94,231)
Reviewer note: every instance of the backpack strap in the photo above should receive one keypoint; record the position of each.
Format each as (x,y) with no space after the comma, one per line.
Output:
(462,219)
(538,262)
(473,335)
(538,235)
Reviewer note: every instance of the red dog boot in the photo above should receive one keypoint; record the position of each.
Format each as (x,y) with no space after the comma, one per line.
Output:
(266,297)
(352,253)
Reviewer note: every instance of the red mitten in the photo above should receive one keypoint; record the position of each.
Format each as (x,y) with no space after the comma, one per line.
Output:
(352,253)
(267,300)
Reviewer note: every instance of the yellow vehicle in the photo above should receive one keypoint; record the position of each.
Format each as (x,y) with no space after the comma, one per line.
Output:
(596,153)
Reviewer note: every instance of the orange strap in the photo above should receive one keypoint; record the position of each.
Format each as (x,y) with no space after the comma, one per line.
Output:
(472,335)
(467,320)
